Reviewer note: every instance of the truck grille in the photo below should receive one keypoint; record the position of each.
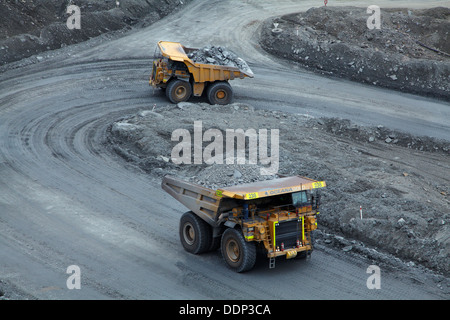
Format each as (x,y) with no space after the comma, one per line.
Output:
(288,232)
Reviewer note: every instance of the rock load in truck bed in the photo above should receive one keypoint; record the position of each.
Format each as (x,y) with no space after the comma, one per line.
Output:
(219,56)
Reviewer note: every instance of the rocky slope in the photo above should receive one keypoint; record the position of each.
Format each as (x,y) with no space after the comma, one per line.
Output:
(30,27)
(411,51)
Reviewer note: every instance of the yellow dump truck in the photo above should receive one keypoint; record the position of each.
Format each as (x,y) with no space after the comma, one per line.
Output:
(181,77)
(276,216)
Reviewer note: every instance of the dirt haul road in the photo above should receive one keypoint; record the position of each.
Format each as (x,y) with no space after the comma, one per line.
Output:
(66,200)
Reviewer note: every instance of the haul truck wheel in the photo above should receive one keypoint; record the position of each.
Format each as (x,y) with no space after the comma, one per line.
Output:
(219,93)
(195,235)
(239,254)
(178,91)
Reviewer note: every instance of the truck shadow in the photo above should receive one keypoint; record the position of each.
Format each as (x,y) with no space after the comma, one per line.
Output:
(283,265)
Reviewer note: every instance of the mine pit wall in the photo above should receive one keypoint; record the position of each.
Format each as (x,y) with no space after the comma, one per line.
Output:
(301,42)
(30,27)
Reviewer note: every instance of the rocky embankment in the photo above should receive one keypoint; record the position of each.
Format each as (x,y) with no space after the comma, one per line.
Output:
(410,52)
(30,27)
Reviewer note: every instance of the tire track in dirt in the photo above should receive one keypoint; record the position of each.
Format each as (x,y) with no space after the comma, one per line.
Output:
(78,204)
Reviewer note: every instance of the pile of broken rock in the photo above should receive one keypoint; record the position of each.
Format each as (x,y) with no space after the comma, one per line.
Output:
(220,56)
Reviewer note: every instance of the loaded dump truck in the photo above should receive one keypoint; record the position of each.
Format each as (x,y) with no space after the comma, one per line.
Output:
(275,216)
(181,77)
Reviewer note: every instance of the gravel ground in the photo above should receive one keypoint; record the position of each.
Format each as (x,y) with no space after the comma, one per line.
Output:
(9,291)
(404,196)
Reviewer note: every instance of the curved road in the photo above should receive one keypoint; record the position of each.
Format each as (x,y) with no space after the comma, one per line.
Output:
(66,200)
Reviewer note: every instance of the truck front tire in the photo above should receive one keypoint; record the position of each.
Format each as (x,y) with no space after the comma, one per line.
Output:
(178,91)
(195,234)
(239,254)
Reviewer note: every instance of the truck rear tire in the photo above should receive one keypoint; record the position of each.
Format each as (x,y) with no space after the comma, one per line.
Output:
(219,93)
(239,254)
(195,234)
(178,91)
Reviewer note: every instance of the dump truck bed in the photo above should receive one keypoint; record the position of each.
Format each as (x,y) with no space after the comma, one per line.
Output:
(202,201)
(201,72)
(270,188)
(208,204)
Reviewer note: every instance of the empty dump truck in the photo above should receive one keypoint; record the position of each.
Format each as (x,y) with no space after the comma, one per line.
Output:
(181,77)
(275,216)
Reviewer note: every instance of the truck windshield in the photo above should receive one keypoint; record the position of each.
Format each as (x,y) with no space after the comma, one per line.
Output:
(299,199)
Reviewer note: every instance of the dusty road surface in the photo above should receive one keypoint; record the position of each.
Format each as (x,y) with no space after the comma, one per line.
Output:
(67,200)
